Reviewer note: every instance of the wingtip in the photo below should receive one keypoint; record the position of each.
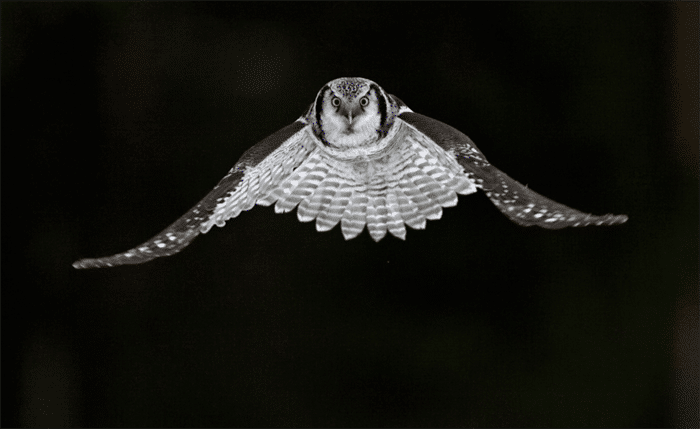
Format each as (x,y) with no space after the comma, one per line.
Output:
(82,264)
(617,219)
(604,220)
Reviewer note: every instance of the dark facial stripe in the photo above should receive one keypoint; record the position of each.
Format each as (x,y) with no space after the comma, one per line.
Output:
(381,101)
(317,128)
(319,104)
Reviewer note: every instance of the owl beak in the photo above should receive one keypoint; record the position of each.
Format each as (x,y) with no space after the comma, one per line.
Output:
(350,112)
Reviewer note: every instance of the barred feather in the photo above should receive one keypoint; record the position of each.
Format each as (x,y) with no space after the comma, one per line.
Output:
(355,215)
(329,216)
(376,217)
(395,222)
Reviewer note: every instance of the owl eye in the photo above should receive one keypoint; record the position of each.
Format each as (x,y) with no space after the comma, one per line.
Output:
(335,101)
(364,101)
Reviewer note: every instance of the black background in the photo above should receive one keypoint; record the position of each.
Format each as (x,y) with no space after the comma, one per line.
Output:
(118,117)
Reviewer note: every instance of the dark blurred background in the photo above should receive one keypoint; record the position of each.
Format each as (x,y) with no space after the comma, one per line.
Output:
(118,117)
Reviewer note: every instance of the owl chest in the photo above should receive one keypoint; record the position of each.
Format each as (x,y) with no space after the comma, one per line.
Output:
(383,170)
(405,162)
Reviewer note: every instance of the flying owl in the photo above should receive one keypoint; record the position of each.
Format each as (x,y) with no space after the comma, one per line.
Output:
(359,157)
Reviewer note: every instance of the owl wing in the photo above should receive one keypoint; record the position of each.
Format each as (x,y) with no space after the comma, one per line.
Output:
(521,204)
(260,169)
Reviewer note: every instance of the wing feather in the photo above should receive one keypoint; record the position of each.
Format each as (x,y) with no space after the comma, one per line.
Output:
(311,208)
(376,217)
(395,222)
(414,201)
(355,215)
(410,213)
(333,213)
(519,203)
(238,190)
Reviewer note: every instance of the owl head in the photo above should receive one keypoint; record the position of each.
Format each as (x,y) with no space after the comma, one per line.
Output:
(352,112)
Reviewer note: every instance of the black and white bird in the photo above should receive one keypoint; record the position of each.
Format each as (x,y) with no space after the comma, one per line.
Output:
(358,156)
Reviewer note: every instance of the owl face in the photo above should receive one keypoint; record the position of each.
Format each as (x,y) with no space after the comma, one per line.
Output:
(351,113)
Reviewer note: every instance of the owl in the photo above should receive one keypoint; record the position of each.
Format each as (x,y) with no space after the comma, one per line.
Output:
(359,157)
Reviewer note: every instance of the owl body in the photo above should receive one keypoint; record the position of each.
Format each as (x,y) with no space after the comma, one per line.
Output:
(358,157)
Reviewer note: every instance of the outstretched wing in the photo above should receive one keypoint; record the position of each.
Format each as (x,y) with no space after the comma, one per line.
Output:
(260,168)
(521,204)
